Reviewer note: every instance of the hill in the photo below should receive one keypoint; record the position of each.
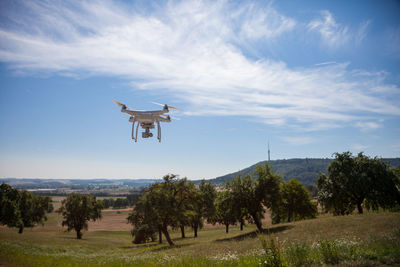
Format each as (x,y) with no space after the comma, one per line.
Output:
(305,170)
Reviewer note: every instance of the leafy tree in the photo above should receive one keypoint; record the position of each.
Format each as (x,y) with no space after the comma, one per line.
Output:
(202,205)
(145,220)
(22,209)
(242,189)
(225,213)
(354,180)
(10,213)
(267,191)
(296,202)
(77,210)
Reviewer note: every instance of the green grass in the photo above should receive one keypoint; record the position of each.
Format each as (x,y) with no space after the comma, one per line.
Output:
(371,239)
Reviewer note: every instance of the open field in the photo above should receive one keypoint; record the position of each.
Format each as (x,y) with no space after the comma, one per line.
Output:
(108,242)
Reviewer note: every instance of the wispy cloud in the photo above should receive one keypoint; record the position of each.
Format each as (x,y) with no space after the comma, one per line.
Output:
(192,49)
(264,23)
(332,33)
(361,33)
(368,125)
(393,41)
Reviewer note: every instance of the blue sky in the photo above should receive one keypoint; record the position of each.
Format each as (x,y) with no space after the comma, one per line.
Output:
(312,77)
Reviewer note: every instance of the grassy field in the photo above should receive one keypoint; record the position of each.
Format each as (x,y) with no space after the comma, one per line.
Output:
(371,239)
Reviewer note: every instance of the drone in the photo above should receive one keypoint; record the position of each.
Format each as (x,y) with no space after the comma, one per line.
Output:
(146,119)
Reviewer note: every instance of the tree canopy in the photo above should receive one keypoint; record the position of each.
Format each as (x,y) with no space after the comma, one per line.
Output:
(295,202)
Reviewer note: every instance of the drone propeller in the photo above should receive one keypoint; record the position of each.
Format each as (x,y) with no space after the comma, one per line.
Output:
(119,104)
(169,107)
(170,117)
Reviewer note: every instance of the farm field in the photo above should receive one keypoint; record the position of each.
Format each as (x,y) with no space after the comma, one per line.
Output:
(368,239)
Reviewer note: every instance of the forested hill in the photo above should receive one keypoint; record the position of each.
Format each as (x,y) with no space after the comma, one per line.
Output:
(305,170)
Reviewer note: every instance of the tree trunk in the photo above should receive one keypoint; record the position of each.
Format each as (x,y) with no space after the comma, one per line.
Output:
(227,228)
(258,223)
(78,234)
(159,235)
(290,215)
(182,231)
(166,234)
(241,224)
(195,230)
(20,230)
(360,208)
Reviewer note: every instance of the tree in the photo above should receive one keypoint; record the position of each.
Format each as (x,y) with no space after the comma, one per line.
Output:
(354,180)
(145,221)
(22,209)
(33,209)
(267,191)
(225,213)
(202,205)
(296,202)
(10,213)
(77,210)
(242,189)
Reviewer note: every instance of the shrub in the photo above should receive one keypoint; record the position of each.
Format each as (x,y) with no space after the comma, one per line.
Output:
(298,254)
(272,250)
(329,251)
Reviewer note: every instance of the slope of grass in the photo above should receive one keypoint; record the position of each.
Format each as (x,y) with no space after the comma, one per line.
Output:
(368,239)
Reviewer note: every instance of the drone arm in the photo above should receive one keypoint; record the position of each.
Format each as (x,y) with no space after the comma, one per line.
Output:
(127,111)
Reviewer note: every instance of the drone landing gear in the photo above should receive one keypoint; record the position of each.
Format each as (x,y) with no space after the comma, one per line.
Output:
(146,127)
(137,128)
(159,131)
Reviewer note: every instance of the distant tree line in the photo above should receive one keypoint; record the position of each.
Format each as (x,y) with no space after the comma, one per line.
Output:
(120,203)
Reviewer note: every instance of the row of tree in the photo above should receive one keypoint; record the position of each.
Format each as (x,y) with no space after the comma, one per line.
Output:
(357,181)
(119,203)
(176,203)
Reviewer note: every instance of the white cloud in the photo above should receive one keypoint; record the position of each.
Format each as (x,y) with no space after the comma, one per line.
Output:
(191,49)
(264,23)
(368,125)
(332,33)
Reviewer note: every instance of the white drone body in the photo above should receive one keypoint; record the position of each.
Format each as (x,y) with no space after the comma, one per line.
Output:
(146,119)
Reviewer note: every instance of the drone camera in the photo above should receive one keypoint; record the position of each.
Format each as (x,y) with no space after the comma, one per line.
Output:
(146,135)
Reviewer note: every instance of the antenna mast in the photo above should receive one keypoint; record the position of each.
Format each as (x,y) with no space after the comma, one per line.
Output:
(268,152)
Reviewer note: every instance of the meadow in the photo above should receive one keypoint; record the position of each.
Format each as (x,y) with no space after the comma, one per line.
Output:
(371,239)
